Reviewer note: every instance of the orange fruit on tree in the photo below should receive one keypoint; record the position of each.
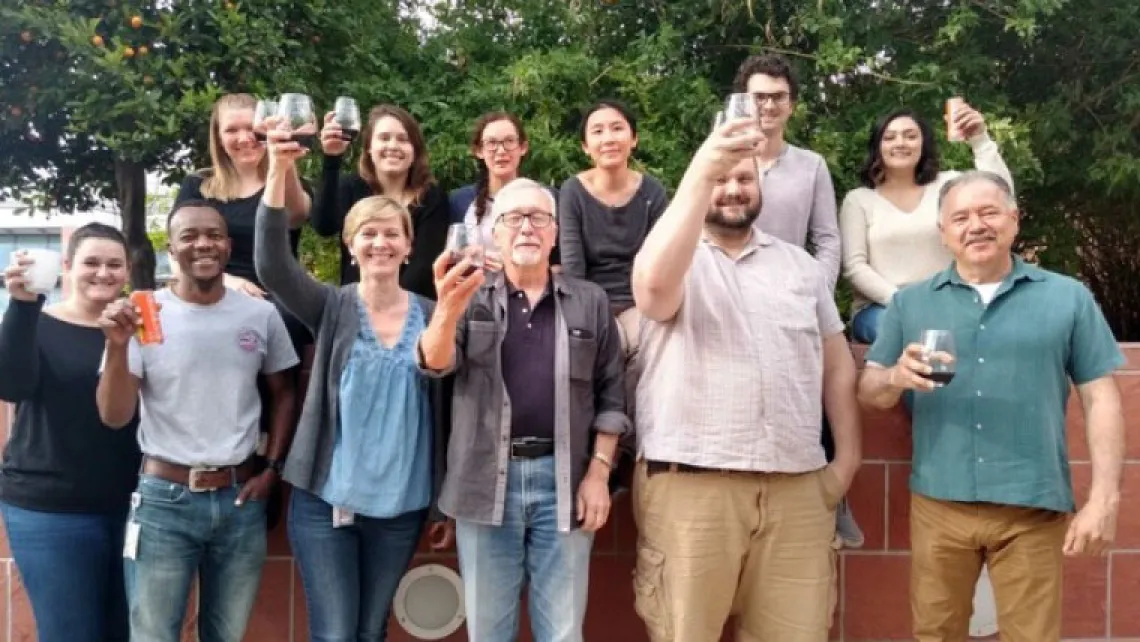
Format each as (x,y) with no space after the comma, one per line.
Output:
(148,80)
(128,52)
(136,22)
(97,41)
(143,50)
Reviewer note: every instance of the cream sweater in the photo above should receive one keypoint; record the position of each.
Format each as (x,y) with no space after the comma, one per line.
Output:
(885,248)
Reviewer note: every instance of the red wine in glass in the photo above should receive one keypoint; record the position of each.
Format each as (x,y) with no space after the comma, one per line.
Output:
(305,139)
(464,242)
(938,346)
(349,135)
(940,377)
(346,114)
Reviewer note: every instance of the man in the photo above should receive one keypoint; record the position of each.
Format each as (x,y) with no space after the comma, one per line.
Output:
(734,499)
(990,478)
(537,413)
(799,200)
(199,507)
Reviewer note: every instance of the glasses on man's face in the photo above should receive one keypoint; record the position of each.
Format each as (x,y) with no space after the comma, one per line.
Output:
(508,144)
(538,220)
(776,97)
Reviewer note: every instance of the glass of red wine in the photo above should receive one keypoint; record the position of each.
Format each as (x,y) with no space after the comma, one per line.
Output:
(264,109)
(940,354)
(297,110)
(346,114)
(464,242)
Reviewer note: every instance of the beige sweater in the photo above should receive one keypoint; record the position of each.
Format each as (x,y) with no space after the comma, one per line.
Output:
(885,248)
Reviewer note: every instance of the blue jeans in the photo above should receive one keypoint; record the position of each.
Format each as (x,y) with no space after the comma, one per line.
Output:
(72,567)
(865,325)
(350,573)
(495,560)
(184,533)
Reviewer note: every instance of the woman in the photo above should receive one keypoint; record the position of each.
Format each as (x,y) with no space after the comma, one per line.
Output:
(605,212)
(366,461)
(889,227)
(394,163)
(66,480)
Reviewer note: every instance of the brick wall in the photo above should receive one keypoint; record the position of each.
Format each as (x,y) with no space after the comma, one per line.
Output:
(1099,600)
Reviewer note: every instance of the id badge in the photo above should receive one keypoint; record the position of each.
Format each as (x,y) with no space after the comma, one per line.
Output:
(131,540)
(342,517)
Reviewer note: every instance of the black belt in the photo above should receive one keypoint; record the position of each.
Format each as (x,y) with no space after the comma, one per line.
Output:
(657,467)
(531,448)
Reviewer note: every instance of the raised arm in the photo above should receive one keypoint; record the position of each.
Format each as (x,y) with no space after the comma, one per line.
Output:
(430,221)
(440,342)
(19,354)
(117,395)
(987,157)
(570,244)
(326,216)
(297,200)
(276,267)
(823,228)
(856,256)
(660,267)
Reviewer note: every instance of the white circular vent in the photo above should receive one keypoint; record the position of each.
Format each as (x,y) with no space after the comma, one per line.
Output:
(429,602)
(984,621)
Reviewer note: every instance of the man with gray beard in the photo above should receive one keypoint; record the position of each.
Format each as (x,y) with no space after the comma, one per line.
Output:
(734,498)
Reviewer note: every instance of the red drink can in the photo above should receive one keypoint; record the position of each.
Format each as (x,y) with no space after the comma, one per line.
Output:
(150,332)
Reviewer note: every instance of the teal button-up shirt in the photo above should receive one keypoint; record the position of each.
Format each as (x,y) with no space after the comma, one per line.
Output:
(996,433)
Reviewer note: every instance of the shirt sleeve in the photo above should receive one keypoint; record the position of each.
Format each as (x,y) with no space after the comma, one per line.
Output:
(888,346)
(1093,350)
(824,226)
(279,352)
(826,311)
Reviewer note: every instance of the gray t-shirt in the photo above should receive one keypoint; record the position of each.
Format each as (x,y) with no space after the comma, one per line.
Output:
(198,388)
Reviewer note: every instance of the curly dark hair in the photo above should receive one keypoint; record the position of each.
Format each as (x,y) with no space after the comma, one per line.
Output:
(772,65)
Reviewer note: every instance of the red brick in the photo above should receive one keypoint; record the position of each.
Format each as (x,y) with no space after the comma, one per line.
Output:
(625,530)
(22,621)
(610,614)
(300,612)
(876,597)
(270,618)
(1129,383)
(1125,620)
(1131,355)
(190,622)
(5,551)
(886,434)
(898,507)
(866,497)
(278,538)
(1127,521)
(5,568)
(1084,606)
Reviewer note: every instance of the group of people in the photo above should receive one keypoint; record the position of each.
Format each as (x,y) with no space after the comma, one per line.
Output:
(490,404)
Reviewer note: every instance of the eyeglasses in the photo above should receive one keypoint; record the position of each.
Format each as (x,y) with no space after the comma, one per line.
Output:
(508,144)
(538,220)
(777,97)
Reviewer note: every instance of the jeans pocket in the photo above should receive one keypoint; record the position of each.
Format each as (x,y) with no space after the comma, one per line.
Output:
(649,593)
(830,487)
(156,490)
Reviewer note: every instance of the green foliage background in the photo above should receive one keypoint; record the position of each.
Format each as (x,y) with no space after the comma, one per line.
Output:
(1058,80)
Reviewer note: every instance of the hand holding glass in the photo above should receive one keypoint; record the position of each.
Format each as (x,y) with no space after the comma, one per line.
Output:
(939,353)
(264,109)
(346,114)
(464,242)
(297,111)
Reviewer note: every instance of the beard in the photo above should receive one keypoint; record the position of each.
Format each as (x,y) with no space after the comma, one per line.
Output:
(719,218)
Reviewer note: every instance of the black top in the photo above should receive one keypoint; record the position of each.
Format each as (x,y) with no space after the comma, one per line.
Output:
(240,215)
(430,218)
(60,457)
(599,242)
(528,363)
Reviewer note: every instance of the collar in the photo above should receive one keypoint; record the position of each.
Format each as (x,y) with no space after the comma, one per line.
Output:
(756,240)
(1021,271)
(555,283)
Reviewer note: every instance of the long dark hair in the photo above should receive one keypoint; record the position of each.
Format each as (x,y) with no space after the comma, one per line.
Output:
(871,174)
(483,183)
(419,174)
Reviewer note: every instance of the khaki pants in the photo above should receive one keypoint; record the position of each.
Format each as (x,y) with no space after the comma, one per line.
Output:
(759,546)
(1022,547)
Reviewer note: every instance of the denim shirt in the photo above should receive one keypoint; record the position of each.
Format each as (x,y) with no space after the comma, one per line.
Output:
(589,396)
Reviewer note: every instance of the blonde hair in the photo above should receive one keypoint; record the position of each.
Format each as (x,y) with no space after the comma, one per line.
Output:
(376,208)
(221,182)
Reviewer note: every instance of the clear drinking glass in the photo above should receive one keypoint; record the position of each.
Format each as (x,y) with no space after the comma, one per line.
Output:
(346,113)
(297,110)
(264,109)
(464,242)
(741,106)
(940,354)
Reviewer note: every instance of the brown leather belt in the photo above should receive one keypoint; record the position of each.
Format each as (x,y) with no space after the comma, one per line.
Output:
(200,478)
(656,467)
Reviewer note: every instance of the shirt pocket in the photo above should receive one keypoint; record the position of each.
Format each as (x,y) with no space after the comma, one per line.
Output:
(583,354)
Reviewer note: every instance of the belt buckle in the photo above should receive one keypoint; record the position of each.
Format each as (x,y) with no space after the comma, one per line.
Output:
(195,472)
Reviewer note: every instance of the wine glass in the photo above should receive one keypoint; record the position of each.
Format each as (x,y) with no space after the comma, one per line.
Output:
(741,106)
(939,353)
(297,110)
(346,114)
(464,242)
(264,109)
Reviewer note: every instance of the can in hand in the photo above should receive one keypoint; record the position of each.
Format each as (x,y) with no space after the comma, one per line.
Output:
(953,134)
(150,331)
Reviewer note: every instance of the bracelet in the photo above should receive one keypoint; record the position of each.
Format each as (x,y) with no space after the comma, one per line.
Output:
(605,460)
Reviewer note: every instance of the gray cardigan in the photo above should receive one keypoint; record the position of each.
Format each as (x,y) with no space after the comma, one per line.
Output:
(330,313)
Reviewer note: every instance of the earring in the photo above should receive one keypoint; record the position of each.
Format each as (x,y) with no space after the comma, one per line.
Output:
(352,261)
(407,260)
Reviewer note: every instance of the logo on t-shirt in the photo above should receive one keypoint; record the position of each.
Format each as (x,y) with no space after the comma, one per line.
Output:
(249,340)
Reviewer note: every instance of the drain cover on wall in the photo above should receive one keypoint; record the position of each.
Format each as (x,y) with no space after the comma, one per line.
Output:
(429,602)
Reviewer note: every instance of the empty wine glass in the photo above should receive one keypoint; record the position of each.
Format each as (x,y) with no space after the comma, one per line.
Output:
(939,353)
(741,106)
(264,109)
(464,242)
(346,114)
(297,110)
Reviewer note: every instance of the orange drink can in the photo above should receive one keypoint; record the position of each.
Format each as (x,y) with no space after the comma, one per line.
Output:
(150,332)
(953,134)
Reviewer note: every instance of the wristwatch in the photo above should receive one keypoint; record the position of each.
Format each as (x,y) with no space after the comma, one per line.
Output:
(275,465)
